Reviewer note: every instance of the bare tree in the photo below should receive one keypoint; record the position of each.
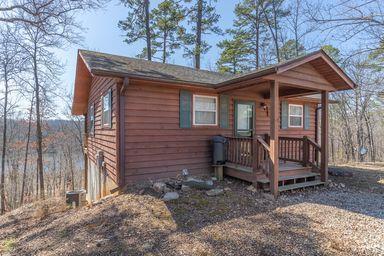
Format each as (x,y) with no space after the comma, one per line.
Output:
(8,68)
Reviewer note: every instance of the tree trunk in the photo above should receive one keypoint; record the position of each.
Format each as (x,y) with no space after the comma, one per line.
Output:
(26,153)
(148,30)
(164,47)
(198,33)
(4,144)
(39,135)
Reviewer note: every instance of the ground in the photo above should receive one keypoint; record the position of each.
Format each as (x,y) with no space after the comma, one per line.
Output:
(341,219)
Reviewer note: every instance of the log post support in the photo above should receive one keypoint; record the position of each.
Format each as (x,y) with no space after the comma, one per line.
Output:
(274,138)
(324,136)
(305,151)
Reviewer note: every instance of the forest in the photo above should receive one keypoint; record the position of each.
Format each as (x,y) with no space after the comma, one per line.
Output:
(41,155)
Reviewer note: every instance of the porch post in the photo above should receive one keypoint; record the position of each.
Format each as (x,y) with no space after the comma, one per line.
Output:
(274,138)
(324,136)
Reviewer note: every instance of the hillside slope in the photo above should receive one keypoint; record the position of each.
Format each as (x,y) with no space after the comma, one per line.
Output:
(331,221)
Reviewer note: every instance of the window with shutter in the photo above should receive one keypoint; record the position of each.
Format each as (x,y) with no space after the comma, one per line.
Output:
(204,110)
(295,116)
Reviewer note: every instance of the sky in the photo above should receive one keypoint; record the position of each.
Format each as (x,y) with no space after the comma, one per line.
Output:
(102,34)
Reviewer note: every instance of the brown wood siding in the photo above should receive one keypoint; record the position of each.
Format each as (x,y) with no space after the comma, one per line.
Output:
(104,139)
(155,146)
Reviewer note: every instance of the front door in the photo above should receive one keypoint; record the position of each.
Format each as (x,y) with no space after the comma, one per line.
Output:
(244,116)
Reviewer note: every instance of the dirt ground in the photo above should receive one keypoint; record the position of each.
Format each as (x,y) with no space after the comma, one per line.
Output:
(346,218)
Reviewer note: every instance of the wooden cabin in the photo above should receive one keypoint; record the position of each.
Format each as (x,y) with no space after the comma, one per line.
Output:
(148,120)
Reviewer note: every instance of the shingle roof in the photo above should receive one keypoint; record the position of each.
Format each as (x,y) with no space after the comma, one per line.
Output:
(119,65)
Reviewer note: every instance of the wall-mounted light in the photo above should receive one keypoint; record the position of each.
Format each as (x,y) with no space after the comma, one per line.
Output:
(264,107)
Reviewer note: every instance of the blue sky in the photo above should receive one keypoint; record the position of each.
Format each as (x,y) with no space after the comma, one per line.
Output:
(102,34)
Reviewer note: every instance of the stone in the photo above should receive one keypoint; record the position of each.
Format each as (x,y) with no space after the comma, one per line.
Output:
(214,178)
(198,183)
(215,192)
(159,186)
(340,173)
(170,196)
(185,172)
(173,185)
(185,188)
(251,188)
(342,185)
(268,196)
(227,189)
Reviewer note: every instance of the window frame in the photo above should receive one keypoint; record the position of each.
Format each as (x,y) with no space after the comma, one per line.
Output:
(106,123)
(292,115)
(194,109)
(92,122)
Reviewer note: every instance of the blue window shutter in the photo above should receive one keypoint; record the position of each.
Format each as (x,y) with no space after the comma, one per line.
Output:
(307,119)
(224,111)
(284,115)
(185,109)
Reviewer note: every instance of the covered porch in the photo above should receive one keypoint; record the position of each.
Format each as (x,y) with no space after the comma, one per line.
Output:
(269,158)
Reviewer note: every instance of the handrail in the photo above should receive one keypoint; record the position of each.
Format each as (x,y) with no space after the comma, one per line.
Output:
(314,143)
(263,143)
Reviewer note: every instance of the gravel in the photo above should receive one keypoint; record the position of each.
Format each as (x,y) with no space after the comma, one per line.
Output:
(321,221)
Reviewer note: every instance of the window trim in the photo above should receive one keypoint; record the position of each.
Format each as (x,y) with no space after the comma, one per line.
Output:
(301,116)
(109,123)
(194,109)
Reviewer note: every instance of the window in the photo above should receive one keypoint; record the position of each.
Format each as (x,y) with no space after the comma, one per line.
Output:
(244,118)
(204,110)
(295,115)
(106,104)
(91,129)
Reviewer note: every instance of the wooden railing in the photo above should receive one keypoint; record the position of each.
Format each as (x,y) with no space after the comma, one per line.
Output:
(263,159)
(313,150)
(291,149)
(243,152)
(239,151)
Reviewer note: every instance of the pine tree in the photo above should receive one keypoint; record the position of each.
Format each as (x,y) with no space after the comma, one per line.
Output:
(137,25)
(233,58)
(291,49)
(167,28)
(203,17)
(251,27)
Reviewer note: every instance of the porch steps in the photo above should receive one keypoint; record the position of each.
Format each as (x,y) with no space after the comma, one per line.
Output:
(301,185)
(291,177)
(291,182)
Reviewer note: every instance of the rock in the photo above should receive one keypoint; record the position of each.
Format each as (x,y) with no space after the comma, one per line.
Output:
(251,188)
(227,189)
(148,245)
(342,185)
(159,186)
(340,173)
(167,189)
(185,188)
(170,196)
(214,178)
(215,192)
(198,184)
(185,172)
(268,196)
(173,185)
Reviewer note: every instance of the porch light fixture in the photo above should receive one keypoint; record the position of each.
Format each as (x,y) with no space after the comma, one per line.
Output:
(264,107)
